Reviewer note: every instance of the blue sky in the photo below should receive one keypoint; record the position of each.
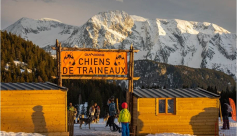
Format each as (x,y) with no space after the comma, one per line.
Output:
(77,12)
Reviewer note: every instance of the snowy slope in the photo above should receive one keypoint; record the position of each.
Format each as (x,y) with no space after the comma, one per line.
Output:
(19,63)
(174,41)
(42,32)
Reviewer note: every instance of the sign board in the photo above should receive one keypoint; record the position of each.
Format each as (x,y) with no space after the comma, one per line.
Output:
(93,63)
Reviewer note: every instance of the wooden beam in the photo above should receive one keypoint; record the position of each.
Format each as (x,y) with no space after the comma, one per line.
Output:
(57,55)
(132,68)
(96,77)
(60,72)
(117,105)
(91,49)
(66,112)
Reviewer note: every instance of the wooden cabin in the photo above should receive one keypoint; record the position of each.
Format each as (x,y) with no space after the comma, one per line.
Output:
(184,111)
(34,108)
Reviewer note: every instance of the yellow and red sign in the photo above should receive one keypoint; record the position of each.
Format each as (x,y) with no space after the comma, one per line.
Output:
(93,63)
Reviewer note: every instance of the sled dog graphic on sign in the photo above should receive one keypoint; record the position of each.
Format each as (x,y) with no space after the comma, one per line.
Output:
(69,59)
(119,59)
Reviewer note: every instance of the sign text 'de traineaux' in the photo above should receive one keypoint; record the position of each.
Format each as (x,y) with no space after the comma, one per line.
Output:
(93,63)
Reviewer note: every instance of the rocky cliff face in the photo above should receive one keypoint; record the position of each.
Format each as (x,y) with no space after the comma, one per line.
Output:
(176,42)
(105,30)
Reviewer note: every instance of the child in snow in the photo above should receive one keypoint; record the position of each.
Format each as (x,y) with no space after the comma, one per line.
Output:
(125,118)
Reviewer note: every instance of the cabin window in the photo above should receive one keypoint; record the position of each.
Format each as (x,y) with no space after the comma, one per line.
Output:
(161,106)
(170,106)
(165,106)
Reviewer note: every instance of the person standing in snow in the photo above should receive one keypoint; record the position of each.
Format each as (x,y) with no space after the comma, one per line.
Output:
(97,112)
(112,114)
(108,121)
(124,118)
(75,115)
(92,112)
(225,114)
(71,108)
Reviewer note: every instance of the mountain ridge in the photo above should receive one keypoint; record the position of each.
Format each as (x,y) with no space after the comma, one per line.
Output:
(38,30)
(171,41)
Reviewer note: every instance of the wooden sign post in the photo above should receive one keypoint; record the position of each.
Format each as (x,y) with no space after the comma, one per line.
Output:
(96,64)
(58,57)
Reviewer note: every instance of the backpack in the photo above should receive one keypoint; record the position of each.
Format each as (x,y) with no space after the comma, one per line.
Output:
(112,110)
(229,109)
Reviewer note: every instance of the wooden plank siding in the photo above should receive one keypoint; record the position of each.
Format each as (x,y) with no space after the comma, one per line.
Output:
(34,111)
(134,116)
(193,116)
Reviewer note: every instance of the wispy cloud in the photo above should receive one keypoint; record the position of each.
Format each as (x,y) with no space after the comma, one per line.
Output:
(120,0)
(46,1)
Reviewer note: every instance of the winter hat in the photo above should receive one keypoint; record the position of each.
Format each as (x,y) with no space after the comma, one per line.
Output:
(112,98)
(124,105)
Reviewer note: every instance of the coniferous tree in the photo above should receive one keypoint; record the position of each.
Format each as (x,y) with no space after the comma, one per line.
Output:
(14,48)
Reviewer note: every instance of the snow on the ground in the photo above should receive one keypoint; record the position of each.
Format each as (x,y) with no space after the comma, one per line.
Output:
(97,129)
(3,133)
(228,132)
(169,134)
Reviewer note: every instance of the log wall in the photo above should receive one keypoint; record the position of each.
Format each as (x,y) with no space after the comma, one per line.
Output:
(34,111)
(193,116)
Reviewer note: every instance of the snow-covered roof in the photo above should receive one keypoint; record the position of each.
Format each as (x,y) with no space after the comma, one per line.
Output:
(174,93)
(31,86)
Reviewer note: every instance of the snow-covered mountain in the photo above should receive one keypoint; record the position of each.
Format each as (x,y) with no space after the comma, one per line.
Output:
(42,32)
(174,41)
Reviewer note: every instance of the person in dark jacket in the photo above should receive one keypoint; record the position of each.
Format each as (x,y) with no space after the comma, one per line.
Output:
(225,115)
(112,114)
(108,121)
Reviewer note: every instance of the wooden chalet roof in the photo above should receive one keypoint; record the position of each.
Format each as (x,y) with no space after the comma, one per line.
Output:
(174,93)
(31,86)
